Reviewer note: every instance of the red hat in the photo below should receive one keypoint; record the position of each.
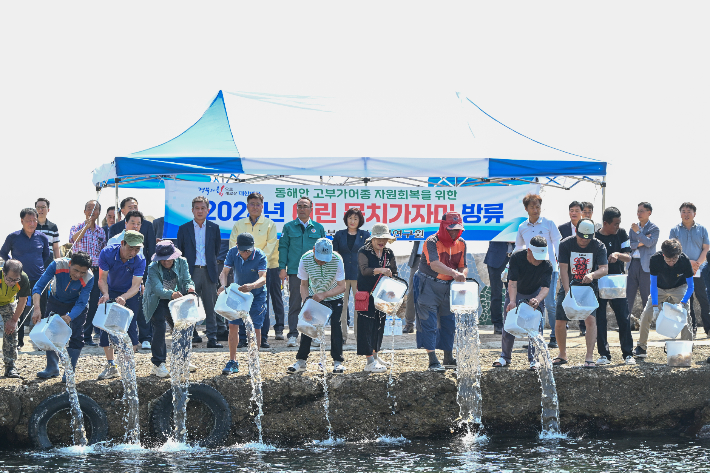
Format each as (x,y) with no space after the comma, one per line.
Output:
(453,221)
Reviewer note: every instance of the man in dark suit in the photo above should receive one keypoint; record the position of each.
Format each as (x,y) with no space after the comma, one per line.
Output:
(145,330)
(413,263)
(199,241)
(570,229)
(496,259)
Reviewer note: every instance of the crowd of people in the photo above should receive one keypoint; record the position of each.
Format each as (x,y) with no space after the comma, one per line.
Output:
(128,262)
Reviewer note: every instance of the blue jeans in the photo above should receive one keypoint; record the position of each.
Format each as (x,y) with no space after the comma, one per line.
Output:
(550,303)
(436,324)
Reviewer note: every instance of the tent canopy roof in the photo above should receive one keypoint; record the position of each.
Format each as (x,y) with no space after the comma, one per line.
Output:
(391,134)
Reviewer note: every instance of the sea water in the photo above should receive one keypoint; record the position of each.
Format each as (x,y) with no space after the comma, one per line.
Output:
(550,416)
(77,418)
(181,350)
(126,362)
(468,368)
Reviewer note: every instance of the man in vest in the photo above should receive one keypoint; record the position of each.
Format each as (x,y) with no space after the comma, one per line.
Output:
(14,283)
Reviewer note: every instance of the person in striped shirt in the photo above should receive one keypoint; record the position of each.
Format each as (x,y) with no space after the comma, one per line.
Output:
(322,276)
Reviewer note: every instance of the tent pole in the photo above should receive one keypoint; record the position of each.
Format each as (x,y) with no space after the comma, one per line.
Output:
(603,193)
(117,212)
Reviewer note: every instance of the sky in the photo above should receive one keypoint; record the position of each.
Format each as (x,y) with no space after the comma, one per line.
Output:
(622,82)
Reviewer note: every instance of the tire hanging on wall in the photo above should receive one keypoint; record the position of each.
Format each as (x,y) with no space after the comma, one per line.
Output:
(162,415)
(94,415)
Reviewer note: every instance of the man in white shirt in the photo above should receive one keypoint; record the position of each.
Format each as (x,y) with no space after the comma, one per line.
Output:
(643,237)
(540,226)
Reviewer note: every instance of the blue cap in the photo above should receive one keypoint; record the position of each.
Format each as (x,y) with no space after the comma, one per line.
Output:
(323,250)
(245,242)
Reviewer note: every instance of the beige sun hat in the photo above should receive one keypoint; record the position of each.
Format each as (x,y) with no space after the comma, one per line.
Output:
(381,230)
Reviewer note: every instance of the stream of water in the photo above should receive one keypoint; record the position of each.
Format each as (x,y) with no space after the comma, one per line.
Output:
(324,380)
(181,350)
(126,362)
(257,395)
(550,415)
(77,418)
(468,369)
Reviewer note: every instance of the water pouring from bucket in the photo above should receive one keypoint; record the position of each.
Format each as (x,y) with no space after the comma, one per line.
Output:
(465,303)
(53,333)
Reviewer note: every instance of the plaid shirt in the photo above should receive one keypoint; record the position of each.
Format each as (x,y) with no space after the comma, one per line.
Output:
(92,242)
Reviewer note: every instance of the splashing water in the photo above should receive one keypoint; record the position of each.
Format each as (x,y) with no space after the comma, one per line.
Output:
(550,405)
(257,395)
(77,418)
(324,367)
(390,381)
(468,368)
(181,349)
(121,344)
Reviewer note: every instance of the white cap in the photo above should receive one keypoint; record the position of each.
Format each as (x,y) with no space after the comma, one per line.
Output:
(539,252)
(585,229)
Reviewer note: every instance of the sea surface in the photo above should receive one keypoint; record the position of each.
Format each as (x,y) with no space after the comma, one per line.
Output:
(631,452)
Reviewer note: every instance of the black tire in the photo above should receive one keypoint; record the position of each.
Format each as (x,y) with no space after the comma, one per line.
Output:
(94,416)
(162,415)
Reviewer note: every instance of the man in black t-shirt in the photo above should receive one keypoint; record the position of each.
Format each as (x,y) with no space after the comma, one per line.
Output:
(672,282)
(618,248)
(582,261)
(529,274)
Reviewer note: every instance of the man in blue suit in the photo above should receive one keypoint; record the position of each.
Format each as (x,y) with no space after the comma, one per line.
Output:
(199,241)
(496,259)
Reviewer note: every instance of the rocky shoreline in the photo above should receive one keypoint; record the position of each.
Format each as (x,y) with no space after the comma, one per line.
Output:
(621,398)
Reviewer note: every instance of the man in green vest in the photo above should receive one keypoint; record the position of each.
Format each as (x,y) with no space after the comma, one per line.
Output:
(297,237)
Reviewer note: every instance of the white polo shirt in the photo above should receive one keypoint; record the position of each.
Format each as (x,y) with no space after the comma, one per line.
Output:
(544,228)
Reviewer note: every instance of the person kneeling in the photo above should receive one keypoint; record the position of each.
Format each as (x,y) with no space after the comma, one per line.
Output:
(529,276)
(249,266)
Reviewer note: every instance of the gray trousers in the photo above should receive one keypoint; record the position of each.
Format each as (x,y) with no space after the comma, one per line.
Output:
(507,339)
(410,312)
(294,304)
(673,296)
(207,290)
(637,280)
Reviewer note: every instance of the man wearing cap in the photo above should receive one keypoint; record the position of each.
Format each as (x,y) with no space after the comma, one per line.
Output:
(13,283)
(618,249)
(168,279)
(672,281)
(121,270)
(297,237)
(249,266)
(443,260)
(529,276)
(69,297)
(322,276)
(583,260)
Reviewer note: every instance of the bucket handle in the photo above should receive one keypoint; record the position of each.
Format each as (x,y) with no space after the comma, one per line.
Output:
(402,281)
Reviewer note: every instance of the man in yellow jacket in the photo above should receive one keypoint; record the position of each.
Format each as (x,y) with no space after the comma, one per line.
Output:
(264,232)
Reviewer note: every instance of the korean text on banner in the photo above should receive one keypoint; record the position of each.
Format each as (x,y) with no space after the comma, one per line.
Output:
(489,212)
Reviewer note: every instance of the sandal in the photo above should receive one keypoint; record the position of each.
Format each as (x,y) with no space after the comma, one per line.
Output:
(501,363)
(559,361)
(590,364)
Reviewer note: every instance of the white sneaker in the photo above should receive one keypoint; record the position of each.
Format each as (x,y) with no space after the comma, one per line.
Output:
(110,371)
(315,342)
(193,368)
(339,367)
(534,366)
(298,367)
(603,360)
(381,361)
(629,360)
(292,342)
(375,367)
(160,371)
(145,345)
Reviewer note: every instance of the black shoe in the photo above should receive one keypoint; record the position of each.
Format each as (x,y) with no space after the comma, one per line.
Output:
(223,336)
(436,368)
(12,373)
(242,343)
(197,339)
(409,328)
(498,330)
(20,343)
(90,343)
(553,343)
(214,344)
(450,364)
(583,332)
(265,345)
(279,336)
(640,352)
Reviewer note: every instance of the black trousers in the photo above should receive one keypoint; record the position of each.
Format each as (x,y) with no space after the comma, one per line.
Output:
(494,275)
(93,305)
(336,334)
(701,293)
(621,311)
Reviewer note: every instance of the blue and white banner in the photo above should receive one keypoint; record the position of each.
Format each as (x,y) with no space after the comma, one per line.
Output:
(412,213)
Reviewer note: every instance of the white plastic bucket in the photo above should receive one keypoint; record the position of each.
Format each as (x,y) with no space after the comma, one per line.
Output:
(388,294)
(51,333)
(233,304)
(580,302)
(522,319)
(187,310)
(113,317)
(679,352)
(313,315)
(464,296)
(612,286)
(671,320)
